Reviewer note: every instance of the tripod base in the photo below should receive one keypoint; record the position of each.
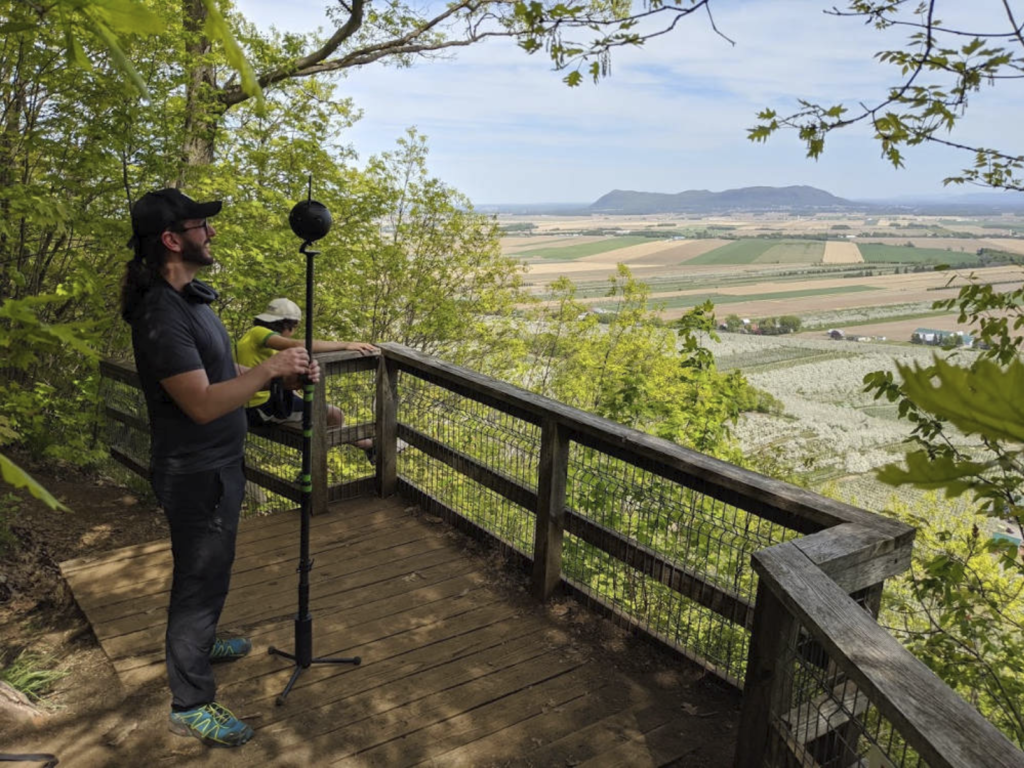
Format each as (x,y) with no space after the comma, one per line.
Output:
(303,656)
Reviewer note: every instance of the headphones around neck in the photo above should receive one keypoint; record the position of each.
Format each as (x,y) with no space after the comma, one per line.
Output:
(198,292)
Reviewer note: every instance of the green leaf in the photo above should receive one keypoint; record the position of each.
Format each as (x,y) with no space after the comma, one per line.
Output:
(13,27)
(933,473)
(217,29)
(127,16)
(19,478)
(118,56)
(983,400)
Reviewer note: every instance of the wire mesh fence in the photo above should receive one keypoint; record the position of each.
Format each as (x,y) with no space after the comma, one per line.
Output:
(350,392)
(473,433)
(277,462)
(827,721)
(706,537)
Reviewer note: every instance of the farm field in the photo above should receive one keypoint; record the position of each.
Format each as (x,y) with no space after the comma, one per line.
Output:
(513,244)
(664,253)
(739,252)
(771,276)
(872,252)
(953,244)
(576,249)
(837,252)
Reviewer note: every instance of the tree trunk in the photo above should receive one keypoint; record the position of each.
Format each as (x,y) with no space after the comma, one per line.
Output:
(202,108)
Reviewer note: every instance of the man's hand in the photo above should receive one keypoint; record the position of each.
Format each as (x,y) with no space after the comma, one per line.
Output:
(296,381)
(287,363)
(361,347)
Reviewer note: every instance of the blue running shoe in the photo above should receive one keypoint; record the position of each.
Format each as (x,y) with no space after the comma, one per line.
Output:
(212,724)
(230,648)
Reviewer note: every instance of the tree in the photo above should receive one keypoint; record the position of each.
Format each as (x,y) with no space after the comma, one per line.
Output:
(77,146)
(790,324)
(637,371)
(940,68)
(733,323)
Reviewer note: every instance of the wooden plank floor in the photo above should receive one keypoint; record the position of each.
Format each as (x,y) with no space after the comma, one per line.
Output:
(454,674)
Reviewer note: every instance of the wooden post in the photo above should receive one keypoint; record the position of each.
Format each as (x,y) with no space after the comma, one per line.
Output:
(386,437)
(838,747)
(547,541)
(769,680)
(318,458)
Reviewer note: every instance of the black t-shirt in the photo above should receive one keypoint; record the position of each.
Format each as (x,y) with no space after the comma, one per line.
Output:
(174,333)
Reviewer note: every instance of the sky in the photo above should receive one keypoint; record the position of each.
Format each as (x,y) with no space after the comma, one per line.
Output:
(502,127)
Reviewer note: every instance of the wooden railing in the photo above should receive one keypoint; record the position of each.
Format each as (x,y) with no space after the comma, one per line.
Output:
(574,497)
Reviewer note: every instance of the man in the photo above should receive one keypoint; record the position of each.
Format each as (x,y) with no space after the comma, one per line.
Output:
(194,394)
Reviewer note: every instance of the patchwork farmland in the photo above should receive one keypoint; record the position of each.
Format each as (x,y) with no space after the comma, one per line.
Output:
(812,267)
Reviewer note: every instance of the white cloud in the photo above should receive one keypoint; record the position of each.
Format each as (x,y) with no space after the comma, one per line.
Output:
(504,128)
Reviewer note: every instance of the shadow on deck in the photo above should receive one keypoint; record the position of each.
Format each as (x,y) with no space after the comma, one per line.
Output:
(458,668)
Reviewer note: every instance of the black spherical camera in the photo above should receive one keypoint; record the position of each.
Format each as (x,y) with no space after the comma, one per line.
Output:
(310,220)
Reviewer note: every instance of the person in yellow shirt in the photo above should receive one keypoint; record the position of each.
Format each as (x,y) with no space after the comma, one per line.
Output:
(272,332)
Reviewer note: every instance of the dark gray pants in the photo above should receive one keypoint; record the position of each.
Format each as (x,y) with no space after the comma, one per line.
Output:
(202,510)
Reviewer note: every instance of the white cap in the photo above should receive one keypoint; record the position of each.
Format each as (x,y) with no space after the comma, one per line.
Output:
(281,309)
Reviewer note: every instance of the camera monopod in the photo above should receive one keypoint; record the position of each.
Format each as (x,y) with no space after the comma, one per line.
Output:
(309,220)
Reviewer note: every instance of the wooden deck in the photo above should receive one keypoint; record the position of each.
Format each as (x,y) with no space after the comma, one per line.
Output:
(453,673)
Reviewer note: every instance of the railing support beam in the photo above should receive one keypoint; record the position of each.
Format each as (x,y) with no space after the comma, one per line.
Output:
(386,438)
(553,475)
(769,679)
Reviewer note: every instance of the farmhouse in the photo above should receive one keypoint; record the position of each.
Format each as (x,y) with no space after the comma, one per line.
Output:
(941,338)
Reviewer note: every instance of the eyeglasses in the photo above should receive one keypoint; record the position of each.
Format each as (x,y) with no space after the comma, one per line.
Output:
(204,224)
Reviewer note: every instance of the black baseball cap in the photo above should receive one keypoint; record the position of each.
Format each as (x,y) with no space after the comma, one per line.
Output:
(156,212)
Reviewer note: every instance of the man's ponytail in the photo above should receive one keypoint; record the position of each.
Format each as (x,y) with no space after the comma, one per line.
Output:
(140,274)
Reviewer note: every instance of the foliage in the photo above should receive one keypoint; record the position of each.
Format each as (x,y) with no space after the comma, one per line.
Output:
(635,371)
(78,148)
(960,609)
(940,69)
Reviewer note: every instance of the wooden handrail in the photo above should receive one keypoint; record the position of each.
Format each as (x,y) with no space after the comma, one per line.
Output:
(940,726)
(795,508)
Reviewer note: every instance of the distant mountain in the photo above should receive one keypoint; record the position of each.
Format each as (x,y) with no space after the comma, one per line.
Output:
(799,198)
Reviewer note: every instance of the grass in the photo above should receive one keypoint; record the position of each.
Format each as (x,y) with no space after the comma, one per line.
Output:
(573,252)
(895,254)
(31,673)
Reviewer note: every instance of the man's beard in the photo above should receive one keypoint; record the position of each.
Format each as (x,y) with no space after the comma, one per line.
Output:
(195,254)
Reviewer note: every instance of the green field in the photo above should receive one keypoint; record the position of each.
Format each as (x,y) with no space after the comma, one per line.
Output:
(901,254)
(798,252)
(764,251)
(739,252)
(573,252)
(675,302)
